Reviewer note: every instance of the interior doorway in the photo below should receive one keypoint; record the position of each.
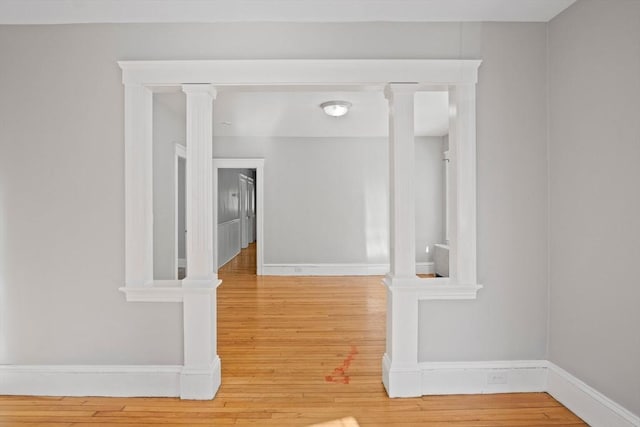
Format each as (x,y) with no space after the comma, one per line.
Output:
(238,212)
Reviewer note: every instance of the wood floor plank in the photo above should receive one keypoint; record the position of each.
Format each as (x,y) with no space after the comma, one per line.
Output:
(295,351)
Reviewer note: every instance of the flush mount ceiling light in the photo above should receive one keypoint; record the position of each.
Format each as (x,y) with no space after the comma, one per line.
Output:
(335,108)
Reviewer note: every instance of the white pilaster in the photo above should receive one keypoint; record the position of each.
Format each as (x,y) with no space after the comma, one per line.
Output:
(400,370)
(200,376)
(462,172)
(401,180)
(401,373)
(138,142)
(199,197)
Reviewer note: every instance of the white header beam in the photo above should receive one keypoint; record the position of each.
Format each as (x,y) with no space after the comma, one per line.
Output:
(375,72)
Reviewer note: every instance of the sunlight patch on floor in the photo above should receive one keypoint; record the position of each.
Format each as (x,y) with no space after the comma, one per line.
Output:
(344,422)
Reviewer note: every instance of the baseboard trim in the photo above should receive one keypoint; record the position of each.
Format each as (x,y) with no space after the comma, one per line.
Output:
(483,377)
(70,380)
(229,259)
(436,378)
(337,269)
(586,402)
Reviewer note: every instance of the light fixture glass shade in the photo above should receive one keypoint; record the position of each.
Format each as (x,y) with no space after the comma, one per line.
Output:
(336,108)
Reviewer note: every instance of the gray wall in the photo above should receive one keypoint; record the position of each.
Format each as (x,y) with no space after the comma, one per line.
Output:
(509,318)
(594,99)
(168,129)
(334,192)
(62,182)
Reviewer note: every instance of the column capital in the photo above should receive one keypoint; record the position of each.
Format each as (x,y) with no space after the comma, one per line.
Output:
(390,89)
(204,88)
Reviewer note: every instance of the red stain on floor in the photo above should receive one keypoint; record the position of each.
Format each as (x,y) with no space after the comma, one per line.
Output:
(339,375)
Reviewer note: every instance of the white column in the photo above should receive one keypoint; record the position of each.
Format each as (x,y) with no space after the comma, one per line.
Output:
(138,142)
(201,374)
(462,184)
(401,374)
(401,180)
(199,197)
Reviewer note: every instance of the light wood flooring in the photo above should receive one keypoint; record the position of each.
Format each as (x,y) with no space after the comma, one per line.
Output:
(295,351)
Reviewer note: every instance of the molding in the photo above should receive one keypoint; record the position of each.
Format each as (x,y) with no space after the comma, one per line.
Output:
(231,221)
(166,291)
(425,267)
(338,269)
(401,381)
(201,384)
(439,288)
(74,380)
(483,377)
(435,378)
(586,402)
(196,11)
(268,72)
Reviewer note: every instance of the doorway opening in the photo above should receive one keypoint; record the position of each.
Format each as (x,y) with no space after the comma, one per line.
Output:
(238,214)
(236,220)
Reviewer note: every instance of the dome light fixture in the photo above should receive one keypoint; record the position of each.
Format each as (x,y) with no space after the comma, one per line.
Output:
(335,108)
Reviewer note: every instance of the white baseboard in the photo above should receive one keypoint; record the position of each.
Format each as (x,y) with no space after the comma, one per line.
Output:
(69,380)
(586,402)
(435,378)
(225,262)
(337,269)
(483,377)
(201,384)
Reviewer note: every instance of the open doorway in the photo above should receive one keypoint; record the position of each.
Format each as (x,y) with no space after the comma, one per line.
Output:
(238,215)
(236,220)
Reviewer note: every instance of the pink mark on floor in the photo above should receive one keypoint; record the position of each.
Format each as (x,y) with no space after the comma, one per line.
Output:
(339,374)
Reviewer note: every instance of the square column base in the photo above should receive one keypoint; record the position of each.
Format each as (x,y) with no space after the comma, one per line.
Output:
(404,381)
(201,384)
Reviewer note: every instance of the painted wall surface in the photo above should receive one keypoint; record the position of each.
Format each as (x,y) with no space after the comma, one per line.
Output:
(430,188)
(594,99)
(62,182)
(228,194)
(508,320)
(182,209)
(168,129)
(327,199)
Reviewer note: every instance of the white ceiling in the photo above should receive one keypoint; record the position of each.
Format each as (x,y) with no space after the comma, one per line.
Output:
(95,11)
(298,114)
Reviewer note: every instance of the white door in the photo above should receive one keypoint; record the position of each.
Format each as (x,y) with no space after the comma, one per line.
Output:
(244,223)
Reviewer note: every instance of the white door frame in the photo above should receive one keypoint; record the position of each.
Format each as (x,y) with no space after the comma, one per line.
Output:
(258,165)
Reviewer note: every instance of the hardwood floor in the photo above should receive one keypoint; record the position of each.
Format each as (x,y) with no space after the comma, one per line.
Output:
(295,351)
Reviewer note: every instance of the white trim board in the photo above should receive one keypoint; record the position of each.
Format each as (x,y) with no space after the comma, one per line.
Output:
(436,378)
(74,380)
(586,402)
(483,377)
(337,269)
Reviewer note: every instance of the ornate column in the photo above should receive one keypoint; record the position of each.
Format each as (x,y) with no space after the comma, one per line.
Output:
(401,375)
(200,377)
